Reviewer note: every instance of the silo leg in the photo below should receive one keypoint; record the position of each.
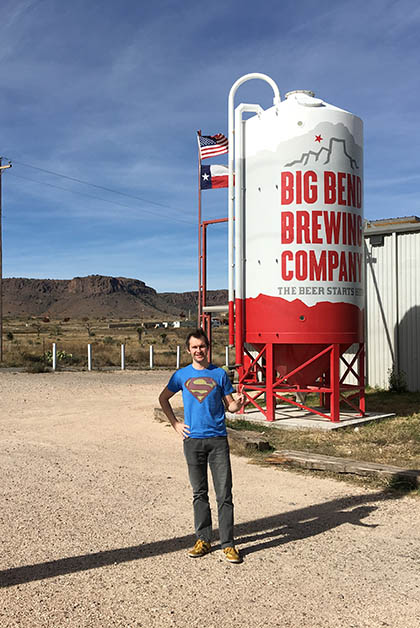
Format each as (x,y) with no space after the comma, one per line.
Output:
(269,381)
(335,383)
(361,360)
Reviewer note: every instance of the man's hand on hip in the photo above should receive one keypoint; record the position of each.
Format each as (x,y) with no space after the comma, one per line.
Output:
(182,429)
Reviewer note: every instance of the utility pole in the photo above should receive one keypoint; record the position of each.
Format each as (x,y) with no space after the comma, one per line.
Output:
(1,263)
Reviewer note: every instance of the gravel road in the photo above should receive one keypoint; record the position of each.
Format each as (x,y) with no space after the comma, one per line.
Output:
(96,518)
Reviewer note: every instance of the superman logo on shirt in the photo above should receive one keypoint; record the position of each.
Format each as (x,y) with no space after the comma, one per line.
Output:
(200,387)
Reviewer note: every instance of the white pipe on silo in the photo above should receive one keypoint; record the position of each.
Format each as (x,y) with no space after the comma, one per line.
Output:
(231,194)
(239,195)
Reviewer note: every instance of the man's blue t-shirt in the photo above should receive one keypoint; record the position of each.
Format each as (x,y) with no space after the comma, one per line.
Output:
(202,392)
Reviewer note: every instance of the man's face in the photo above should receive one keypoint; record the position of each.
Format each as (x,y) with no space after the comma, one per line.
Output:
(198,349)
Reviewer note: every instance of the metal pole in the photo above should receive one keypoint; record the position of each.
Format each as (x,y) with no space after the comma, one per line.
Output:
(89,357)
(227,355)
(201,300)
(151,356)
(397,314)
(204,268)
(178,356)
(200,304)
(1,274)
(1,262)
(54,356)
(122,357)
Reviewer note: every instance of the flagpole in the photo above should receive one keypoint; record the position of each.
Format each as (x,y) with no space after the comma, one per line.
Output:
(199,230)
(199,235)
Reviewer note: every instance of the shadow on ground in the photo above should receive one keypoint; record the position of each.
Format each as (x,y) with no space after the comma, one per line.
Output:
(253,536)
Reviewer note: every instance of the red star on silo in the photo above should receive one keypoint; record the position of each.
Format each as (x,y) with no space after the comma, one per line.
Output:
(318,138)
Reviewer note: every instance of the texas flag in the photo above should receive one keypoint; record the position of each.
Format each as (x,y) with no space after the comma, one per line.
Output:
(214,177)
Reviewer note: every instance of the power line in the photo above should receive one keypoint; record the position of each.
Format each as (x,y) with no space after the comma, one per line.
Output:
(57,187)
(95,185)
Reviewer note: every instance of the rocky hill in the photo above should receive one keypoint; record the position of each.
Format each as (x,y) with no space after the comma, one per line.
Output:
(97,296)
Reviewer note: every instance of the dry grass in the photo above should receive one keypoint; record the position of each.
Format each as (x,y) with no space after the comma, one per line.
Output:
(394,441)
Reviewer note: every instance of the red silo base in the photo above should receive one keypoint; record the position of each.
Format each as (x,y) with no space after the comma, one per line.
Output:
(260,380)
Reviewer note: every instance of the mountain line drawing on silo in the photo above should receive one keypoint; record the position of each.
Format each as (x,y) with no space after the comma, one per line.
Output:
(328,152)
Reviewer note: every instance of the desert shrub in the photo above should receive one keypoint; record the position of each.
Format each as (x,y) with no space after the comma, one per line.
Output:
(62,356)
(9,335)
(397,380)
(37,367)
(34,363)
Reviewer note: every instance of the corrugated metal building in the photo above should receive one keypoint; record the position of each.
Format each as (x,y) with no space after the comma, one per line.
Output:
(393,300)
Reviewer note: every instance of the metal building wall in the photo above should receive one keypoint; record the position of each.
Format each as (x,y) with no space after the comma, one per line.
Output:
(393,309)
(381,310)
(408,337)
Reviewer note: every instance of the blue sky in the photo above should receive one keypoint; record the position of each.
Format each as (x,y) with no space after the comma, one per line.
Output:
(112,93)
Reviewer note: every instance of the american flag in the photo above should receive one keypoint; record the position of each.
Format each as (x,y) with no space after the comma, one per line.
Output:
(212,145)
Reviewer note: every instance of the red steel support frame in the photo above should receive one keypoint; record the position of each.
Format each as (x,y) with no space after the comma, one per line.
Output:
(204,318)
(332,388)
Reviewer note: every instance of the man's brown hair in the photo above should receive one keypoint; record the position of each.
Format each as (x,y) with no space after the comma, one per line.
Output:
(198,334)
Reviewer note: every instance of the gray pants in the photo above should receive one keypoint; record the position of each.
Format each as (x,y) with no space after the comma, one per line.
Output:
(200,452)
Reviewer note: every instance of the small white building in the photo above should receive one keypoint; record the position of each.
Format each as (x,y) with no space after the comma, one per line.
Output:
(393,300)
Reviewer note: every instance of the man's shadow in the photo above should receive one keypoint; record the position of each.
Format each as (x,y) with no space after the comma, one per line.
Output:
(257,534)
(304,523)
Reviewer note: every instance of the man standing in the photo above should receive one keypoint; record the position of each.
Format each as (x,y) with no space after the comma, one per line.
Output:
(206,389)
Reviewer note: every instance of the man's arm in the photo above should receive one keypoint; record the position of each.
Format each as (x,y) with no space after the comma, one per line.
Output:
(181,429)
(234,405)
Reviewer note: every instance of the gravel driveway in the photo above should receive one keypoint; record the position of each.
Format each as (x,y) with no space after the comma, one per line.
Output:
(96,518)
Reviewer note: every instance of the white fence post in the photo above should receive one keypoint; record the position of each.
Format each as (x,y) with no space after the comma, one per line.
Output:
(227,355)
(122,357)
(151,356)
(89,357)
(54,356)
(178,356)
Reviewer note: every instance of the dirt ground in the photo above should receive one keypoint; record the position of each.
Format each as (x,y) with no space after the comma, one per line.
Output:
(96,518)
